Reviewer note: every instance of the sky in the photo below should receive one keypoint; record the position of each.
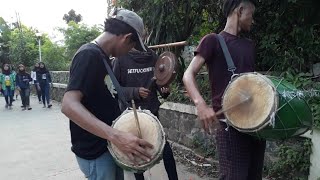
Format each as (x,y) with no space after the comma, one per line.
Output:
(46,15)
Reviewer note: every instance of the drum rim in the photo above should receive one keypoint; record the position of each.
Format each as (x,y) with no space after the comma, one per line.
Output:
(157,156)
(274,108)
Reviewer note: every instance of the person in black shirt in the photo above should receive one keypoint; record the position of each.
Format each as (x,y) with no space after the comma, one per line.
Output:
(134,72)
(91,107)
(44,81)
(23,80)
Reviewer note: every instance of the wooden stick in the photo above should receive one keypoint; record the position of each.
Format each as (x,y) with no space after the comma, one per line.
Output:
(136,118)
(182,43)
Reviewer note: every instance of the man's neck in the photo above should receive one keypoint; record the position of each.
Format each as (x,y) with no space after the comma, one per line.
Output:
(105,42)
(232,26)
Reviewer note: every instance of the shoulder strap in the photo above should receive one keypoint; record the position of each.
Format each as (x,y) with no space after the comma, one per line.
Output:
(115,83)
(231,67)
(113,78)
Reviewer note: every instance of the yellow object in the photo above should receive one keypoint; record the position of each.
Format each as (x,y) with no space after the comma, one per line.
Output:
(7,81)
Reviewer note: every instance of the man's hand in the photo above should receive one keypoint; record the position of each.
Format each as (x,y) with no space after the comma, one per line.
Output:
(165,90)
(207,116)
(132,146)
(143,92)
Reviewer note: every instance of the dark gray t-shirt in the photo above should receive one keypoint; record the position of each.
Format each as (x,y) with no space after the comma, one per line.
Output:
(242,52)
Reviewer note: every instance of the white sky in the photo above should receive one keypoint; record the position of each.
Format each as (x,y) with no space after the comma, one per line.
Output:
(46,15)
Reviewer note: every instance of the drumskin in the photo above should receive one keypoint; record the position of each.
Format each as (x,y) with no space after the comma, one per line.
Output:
(253,113)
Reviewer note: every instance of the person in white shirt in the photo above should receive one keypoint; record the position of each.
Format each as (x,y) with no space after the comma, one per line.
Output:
(35,82)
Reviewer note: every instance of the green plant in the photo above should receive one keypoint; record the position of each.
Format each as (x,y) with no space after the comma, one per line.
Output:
(303,81)
(179,94)
(204,146)
(294,161)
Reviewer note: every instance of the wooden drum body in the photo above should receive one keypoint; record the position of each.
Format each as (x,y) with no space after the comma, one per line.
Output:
(274,110)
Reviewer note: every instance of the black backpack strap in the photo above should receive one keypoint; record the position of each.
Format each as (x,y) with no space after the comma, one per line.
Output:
(113,78)
(116,84)
(231,67)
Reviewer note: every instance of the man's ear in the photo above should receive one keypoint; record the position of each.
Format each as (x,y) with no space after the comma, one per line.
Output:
(240,10)
(128,36)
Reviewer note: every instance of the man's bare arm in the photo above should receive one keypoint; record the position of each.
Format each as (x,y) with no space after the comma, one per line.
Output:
(205,114)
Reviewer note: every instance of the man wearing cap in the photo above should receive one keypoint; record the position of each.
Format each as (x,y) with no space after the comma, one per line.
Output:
(90,106)
(240,155)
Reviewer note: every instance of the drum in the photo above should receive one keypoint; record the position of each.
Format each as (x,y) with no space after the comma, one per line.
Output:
(151,131)
(274,111)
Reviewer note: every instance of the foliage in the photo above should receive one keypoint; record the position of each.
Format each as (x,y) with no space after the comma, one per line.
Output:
(293,163)
(72,16)
(76,35)
(179,94)
(20,45)
(304,81)
(23,46)
(287,34)
(4,40)
(54,56)
(204,145)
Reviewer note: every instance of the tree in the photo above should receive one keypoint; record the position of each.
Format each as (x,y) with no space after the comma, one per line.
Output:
(287,35)
(54,56)
(72,16)
(76,35)
(4,41)
(23,46)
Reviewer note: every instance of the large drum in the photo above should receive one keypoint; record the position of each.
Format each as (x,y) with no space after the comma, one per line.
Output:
(151,131)
(274,111)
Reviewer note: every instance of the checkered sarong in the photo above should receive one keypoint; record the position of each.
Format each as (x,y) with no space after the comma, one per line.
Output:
(240,155)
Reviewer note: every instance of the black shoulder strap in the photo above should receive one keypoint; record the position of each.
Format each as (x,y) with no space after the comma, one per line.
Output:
(114,80)
(116,84)
(231,67)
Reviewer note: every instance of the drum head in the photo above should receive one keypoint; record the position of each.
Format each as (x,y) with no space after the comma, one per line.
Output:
(254,113)
(165,68)
(151,131)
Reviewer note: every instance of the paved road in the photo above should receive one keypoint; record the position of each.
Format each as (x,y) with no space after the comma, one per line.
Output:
(35,145)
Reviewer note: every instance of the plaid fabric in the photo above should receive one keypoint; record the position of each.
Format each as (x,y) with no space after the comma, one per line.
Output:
(240,155)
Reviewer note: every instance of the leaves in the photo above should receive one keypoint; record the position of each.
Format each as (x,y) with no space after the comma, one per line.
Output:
(76,35)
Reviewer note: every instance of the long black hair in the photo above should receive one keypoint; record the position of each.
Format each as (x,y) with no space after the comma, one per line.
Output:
(6,72)
(44,69)
(36,68)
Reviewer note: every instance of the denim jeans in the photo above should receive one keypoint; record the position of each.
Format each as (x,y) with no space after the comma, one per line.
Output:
(38,91)
(25,97)
(45,93)
(102,168)
(8,95)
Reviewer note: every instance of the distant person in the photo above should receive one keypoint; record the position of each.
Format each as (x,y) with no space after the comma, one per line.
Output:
(35,82)
(16,91)
(44,80)
(23,80)
(7,84)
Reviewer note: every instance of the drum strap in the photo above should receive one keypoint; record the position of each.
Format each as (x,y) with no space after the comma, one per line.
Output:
(231,67)
(115,83)
(113,78)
